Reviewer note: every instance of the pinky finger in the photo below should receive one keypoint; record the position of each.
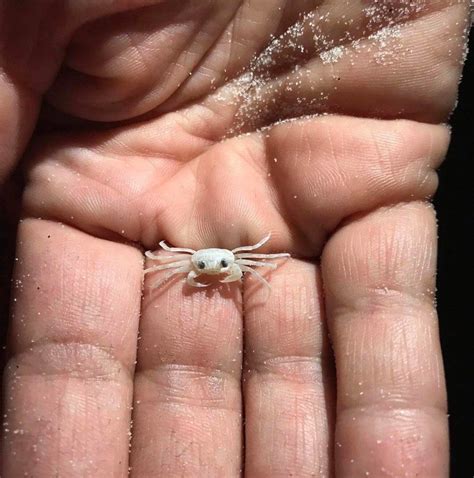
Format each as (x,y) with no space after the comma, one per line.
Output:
(379,276)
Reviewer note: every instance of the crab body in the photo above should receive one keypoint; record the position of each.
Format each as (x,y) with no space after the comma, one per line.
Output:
(212,262)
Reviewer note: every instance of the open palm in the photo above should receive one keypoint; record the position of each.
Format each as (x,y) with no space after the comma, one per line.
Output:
(211,124)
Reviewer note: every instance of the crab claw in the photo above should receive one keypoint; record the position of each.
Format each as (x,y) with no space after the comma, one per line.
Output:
(191,280)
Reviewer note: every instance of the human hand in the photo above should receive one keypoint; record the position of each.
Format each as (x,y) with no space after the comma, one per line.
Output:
(164,122)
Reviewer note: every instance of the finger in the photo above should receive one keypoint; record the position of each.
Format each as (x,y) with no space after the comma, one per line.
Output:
(379,274)
(72,343)
(187,411)
(332,167)
(288,382)
(379,64)
(294,53)
(116,71)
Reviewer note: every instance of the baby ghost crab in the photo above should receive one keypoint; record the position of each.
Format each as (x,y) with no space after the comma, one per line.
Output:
(214,262)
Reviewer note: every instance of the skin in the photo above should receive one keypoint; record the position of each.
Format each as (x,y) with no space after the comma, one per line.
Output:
(140,138)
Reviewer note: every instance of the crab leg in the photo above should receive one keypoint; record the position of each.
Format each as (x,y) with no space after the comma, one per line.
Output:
(150,255)
(251,248)
(175,249)
(250,255)
(246,262)
(168,276)
(235,274)
(171,265)
(256,274)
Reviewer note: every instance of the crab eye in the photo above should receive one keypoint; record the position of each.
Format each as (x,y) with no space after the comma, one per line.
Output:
(201,265)
(224,263)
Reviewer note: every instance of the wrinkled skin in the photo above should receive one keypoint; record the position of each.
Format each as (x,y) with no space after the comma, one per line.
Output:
(144,105)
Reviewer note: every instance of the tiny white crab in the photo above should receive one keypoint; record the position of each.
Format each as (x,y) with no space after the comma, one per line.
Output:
(214,262)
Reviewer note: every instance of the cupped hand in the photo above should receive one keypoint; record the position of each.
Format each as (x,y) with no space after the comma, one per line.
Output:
(211,124)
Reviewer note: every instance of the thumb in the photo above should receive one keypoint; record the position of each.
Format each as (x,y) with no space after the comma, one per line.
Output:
(33,40)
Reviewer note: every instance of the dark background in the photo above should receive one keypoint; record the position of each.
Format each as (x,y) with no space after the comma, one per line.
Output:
(455,206)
